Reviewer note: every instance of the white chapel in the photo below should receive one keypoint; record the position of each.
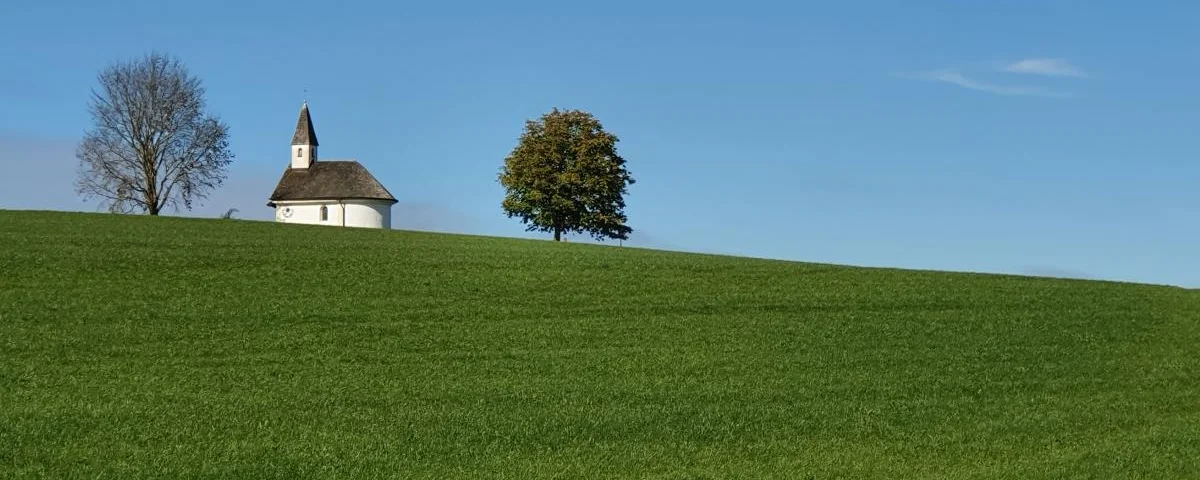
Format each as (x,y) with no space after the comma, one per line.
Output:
(328,192)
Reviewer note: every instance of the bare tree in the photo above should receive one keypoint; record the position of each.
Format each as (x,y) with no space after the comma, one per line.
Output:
(152,145)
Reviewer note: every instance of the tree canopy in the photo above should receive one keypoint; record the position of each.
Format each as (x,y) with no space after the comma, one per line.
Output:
(565,176)
(152,145)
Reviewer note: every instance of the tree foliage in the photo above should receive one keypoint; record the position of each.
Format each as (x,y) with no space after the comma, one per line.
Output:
(152,145)
(565,176)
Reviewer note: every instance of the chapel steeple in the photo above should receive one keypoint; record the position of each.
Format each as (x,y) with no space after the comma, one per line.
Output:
(304,141)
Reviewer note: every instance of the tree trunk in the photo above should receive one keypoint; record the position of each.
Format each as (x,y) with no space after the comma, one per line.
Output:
(152,204)
(557,234)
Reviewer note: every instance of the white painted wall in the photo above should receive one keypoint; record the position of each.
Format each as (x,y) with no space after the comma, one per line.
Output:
(303,155)
(370,214)
(358,213)
(305,212)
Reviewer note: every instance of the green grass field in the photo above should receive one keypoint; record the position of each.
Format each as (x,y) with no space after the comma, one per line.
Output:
(148,347)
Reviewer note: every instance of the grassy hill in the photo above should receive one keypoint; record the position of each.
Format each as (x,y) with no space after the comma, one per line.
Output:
(135,346)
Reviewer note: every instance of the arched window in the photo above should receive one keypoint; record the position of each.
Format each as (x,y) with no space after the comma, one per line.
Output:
(299,152)
(324,213)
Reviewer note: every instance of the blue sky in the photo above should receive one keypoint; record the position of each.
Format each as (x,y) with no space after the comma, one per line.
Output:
(1039,137)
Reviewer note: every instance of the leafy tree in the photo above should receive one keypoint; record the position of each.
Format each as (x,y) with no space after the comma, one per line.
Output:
(565,176)
(152,145)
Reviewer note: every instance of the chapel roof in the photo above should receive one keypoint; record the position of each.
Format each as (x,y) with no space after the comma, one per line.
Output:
(329,180)
(305,133)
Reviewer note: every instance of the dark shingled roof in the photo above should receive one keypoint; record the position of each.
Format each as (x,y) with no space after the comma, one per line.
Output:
(305,134)
(329,180)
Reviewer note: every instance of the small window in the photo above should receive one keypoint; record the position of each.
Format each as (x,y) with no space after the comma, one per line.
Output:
(299,152)
(324,213)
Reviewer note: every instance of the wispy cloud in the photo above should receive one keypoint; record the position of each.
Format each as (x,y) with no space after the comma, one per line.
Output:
(955,77)
(971,76)
(1053,67)
(38,173)
(246,189)
(431,217)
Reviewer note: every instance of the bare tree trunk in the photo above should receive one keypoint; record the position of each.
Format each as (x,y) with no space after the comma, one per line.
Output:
(152,206)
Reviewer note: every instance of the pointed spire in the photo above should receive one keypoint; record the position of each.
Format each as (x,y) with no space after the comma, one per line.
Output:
(305,134)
